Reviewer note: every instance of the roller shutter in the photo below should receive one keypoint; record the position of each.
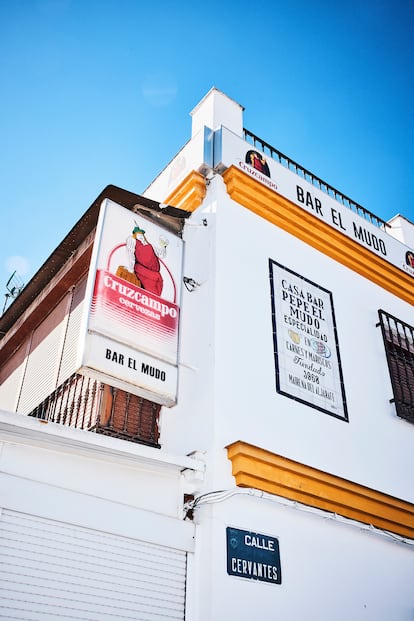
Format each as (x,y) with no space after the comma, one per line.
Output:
(53,570)
(71,343)
(44,358)
(11,377)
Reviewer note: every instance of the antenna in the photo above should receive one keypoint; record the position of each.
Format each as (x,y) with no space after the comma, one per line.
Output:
(14,287)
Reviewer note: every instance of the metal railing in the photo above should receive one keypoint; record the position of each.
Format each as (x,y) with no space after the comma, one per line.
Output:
(86,403)
(287,162)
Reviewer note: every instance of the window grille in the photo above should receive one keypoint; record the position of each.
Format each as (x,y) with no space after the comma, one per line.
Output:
(399,348)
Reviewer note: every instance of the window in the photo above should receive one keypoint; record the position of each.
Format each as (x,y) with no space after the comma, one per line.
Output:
(399,348)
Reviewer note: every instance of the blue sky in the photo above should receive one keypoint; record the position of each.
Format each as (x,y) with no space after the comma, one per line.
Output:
(99,92)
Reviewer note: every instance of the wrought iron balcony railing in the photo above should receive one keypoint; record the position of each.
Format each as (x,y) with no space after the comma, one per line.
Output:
(86,403)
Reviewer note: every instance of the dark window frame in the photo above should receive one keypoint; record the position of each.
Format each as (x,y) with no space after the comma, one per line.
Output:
(398,338)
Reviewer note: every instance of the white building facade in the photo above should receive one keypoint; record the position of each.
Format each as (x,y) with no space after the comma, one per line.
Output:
(279,484)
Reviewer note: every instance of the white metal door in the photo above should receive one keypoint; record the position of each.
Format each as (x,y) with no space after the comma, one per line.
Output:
(53,570)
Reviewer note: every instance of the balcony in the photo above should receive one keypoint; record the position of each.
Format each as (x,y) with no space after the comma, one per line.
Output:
(86,403)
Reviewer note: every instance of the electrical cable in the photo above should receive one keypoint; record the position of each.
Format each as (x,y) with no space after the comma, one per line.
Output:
(223,495)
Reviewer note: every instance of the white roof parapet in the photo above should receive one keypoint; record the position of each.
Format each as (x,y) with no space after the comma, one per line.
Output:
(215,110)
(402,229)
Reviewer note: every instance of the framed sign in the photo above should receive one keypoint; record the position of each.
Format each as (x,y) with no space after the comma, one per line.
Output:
(130,335)
(253,556)
(306,350)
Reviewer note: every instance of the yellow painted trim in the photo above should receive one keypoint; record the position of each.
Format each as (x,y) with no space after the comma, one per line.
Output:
(189,194)
(260,469)
(303,225)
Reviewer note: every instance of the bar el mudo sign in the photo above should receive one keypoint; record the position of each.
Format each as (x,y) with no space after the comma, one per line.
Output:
(130,333)
(307,360)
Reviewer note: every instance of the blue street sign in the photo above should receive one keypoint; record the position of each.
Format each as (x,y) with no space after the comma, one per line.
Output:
(253,556)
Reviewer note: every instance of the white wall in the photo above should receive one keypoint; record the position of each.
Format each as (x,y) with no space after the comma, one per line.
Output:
(330,569)
(77,515)
(375,447)
(104,483)
(227,386)
(189,426)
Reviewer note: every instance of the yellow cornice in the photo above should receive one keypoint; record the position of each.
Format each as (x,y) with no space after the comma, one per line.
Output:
(189,194)
(303,225)
(260,469)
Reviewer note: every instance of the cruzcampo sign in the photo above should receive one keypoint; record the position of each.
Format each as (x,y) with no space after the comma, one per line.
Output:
(253,556)
(130,326)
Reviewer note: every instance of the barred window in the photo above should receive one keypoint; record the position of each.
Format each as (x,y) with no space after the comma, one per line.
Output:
(399,348)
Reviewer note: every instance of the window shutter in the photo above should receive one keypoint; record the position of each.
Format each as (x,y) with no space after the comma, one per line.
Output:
(53,570)
(399,347)
(71,342)
(44,358)
(11,377)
